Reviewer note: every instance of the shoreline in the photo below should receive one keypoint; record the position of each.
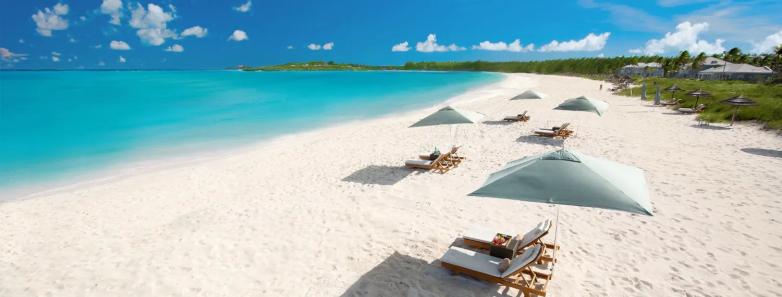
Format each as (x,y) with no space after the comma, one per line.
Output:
(132,164)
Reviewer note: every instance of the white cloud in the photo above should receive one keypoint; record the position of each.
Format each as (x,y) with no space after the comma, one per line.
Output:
(98,46)
(636,51)
(290,47)
(121,59)
(768,44)
(50,20)
(101,63)
(590,43)
(244,7)
(238,35)
(196,31)
(55,54)
(514,46)
(112,8)
(72,40)
(119,45)
(684,38)
(7,54)
(151,24)
(401,47)
(21,40)
(431,45)
(55,58)
(175,48)
(316,47)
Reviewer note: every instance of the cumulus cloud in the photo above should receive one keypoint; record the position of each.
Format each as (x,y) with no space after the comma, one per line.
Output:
(119,45)
(290,47)
(152,24)
(238,35)
(196,31)
(431,45)
(175,48)
(112,8)
(684,38)
(590,43)
(50,19)
(55,58)
(8,55)
(401,47)
(55,54)
(316,47)
(244,7)
(121,59)
(768,44)
(514,46)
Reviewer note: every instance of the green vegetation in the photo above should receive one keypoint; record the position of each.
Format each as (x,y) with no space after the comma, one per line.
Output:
(316,66)
(768,97)
(579,66)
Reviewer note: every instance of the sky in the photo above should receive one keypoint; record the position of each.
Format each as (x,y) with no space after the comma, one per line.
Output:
(204,34)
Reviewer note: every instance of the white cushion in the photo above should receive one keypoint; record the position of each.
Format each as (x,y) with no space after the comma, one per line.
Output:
(419,162)
(473,260)
(486,264)
(544,131)
(536,232)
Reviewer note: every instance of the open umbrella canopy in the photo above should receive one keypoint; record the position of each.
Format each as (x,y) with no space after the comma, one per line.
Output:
(449,115)
(739,100)
(529,94)
(570,178)
(584,104)
(699,93)
(673,88)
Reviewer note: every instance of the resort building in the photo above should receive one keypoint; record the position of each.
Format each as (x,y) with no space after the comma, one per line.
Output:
(731,71)
(652,69)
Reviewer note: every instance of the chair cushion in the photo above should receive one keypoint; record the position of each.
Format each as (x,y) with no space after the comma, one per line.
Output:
(544,131)
(473,260)
(504,264)
(419,162)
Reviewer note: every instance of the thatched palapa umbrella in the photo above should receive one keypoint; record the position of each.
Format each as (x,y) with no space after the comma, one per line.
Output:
(698,94)
(738,101)
(673,90)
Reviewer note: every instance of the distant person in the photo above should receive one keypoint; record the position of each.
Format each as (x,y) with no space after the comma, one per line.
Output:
(601,87)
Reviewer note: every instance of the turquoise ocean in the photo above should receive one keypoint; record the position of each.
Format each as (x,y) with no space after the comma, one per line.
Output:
(55,124)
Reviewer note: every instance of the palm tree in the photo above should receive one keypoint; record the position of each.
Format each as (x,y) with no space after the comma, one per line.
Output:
(733,54)
(681,60)
(698,61)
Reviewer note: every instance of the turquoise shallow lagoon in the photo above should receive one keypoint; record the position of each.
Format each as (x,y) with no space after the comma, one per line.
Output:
(53,124)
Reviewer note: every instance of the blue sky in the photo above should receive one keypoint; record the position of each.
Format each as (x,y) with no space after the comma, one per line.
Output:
(69,34)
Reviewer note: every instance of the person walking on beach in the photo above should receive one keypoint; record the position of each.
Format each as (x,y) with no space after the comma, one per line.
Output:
(601,87)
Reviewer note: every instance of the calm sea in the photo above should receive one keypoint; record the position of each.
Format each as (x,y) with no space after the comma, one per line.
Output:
(53,124)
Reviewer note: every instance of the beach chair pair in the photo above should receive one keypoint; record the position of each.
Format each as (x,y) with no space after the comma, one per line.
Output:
(671,102)
(523,117)
(560,131)
(443,163)
(480,238)
(697,109)
(520,274)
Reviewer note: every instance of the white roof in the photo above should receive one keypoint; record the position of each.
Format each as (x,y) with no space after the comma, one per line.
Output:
(737,68)
(642,65)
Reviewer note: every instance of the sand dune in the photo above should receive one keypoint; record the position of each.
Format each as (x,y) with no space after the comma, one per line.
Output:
(332,213)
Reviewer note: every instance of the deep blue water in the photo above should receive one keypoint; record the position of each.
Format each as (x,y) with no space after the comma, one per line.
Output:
(56,123)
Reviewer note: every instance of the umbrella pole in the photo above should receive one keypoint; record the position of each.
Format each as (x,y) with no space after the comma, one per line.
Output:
(733,118)
(556,233)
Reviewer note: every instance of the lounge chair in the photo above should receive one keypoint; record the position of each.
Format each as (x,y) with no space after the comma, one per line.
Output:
(519,274)
(697,109)
(481,237)
(440,164)
(671,102)
(561,132)
(523,117)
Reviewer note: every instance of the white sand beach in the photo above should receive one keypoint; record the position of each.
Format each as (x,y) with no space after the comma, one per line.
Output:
(332,212)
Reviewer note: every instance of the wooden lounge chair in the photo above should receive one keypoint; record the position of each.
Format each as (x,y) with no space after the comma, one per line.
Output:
(480,238)
(561,132)
(519,275)
(523,117)
(440,164)
(671,102)
(697,109)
